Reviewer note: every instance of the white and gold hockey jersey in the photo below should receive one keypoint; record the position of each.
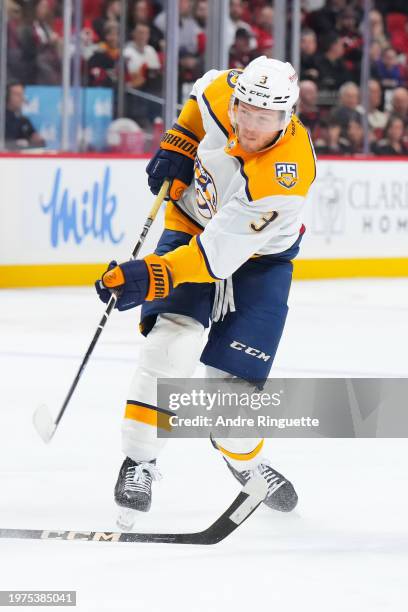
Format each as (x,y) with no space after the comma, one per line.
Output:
(240,204)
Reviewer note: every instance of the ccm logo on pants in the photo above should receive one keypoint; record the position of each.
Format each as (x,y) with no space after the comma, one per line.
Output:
(249,350)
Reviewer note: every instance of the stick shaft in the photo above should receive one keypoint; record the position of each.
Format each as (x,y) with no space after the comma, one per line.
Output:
(111,304)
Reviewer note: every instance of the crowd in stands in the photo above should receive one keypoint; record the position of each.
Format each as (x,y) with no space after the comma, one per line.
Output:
(331,59)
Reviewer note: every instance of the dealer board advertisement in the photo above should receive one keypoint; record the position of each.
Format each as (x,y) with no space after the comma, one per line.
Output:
(358,209)
(72,211)
(57,210)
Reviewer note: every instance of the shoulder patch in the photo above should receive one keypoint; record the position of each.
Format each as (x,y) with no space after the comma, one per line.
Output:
(286,174)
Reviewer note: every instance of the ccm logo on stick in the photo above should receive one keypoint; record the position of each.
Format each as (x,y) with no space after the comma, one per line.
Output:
(249,350)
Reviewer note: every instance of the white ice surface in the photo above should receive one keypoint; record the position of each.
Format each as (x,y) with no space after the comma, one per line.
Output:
(344,548)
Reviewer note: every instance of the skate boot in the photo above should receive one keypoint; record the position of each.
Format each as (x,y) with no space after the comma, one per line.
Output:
(281,493)
(133,490)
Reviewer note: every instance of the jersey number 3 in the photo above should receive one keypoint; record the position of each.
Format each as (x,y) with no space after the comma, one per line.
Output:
(265,221)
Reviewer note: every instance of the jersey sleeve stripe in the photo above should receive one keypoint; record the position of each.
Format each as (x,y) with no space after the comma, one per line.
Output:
(213,115)
(207,263)
(183,130)
(193,97)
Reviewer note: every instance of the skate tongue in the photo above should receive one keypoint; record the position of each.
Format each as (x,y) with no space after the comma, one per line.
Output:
(151,468)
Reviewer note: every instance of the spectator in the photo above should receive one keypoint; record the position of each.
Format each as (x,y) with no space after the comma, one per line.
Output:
(400,103)
(323,20)
(144,73)
(110,14)
(201,17)
(332,70)
(333,138)
(347,27)
(103,64)
(141,13)
(328,141)
(201,13)
(189,29)
(377,29)
(353,144)
(348,107)
(16,68)
(263,29)
(308,49)
(235,22)
(42,47)
(393,143)
(388,71)
(377,119)
(240,51)
(142,60)
(308,111)
(20,132)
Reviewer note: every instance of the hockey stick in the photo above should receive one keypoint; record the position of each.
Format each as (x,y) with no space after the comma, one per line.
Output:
(247,501)
(42,419)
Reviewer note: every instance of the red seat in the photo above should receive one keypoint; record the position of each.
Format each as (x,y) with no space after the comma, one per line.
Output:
(92,8)
(396,22)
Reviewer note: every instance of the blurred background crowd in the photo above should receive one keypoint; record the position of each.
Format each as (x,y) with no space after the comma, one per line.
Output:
(330,73)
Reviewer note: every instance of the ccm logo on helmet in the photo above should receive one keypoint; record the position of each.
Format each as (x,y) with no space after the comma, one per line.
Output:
(249,350)
(259,93)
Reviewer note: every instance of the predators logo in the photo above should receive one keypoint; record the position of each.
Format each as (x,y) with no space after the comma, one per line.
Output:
(286,174)
(232,77)
(206,193)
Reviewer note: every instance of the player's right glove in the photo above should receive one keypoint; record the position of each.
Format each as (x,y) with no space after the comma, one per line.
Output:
(135,281)
(175,161)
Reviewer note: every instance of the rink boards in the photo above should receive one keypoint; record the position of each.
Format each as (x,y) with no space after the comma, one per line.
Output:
(63,217)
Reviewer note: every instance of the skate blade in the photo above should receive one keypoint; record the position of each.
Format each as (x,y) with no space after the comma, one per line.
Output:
(126,518)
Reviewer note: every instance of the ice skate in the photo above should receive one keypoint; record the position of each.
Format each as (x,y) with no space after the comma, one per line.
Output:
(281,493)
(133,490)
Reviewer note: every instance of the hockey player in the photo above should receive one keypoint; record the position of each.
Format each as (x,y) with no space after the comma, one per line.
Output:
(240,165)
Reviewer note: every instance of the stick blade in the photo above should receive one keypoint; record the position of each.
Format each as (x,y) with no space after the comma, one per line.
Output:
(44,423)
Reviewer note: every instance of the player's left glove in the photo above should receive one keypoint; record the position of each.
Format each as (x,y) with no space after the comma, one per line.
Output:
(135,281)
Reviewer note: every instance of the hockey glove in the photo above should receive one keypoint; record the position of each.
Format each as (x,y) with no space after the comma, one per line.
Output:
(175,161)
(135,281)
